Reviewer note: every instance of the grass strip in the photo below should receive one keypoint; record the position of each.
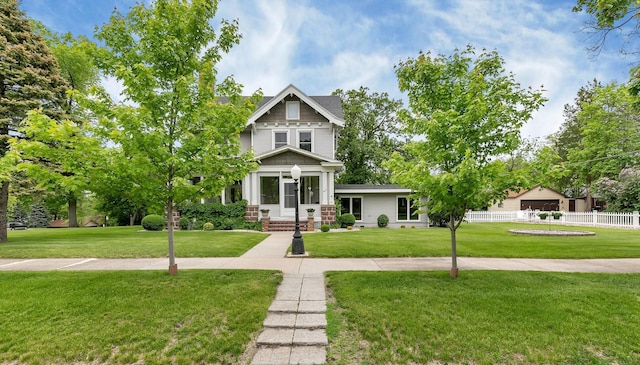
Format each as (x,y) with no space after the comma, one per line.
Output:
(124,242)
(474,240)
(484,318)
(124,317)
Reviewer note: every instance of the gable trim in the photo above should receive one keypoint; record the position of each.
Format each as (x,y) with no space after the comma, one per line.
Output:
(291,89)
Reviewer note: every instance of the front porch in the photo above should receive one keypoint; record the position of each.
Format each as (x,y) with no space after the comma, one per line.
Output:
(327,215)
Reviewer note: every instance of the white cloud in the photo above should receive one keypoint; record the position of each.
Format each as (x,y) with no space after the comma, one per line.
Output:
(324,45)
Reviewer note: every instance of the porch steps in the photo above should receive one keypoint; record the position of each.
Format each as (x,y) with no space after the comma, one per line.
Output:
(286,225)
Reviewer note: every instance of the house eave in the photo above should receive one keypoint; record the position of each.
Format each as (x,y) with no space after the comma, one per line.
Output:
(291,89)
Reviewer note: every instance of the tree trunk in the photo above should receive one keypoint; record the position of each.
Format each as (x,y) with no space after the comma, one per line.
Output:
(454,255)
(73,207)
(588,200)
(173,267)
(4,204)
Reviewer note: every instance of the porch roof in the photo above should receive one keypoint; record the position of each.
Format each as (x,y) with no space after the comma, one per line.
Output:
(322,160)
(371,189)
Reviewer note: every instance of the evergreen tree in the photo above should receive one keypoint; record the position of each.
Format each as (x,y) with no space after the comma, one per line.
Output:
(38,217)
(19,214)
(29,79)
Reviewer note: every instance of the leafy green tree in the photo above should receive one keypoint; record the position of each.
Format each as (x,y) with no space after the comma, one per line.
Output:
(371,133)
(621,194)
(174,124)
(76,64)
(610,137)
(465,112)
(125,193)
(568,138)
(60,156)
(29,79)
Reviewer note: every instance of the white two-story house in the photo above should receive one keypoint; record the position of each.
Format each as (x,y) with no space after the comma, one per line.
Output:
(290,129)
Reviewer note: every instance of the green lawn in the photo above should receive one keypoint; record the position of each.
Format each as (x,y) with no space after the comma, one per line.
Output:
(196,317)
(124,242)
(484,318)
(474,240)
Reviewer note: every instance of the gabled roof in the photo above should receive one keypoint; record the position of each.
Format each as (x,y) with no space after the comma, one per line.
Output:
(280,150)
(329,106)
(516,194)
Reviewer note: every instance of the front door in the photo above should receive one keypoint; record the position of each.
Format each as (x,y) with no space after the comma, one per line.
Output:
(288,202)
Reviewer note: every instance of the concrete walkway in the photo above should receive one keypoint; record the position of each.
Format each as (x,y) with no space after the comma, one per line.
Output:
(294,330)
(295,327)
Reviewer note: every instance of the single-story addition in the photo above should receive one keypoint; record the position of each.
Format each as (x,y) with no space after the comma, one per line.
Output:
(368,202)
(539,198)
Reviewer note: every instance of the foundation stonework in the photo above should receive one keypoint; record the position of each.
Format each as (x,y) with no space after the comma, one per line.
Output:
(328,214)
(251,214)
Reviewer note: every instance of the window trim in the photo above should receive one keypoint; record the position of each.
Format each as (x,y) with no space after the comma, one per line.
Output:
(409,215)
(292,102)
(350,197)
(273,137)
(312,138)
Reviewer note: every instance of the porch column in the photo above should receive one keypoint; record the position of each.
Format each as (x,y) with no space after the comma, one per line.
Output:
(246,188)
(331,187)
(255,192)
(325,188)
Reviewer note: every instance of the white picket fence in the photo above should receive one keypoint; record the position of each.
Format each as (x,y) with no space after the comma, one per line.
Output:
(591,219)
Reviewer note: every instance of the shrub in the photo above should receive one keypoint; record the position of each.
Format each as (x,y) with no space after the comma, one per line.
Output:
(347,220)
(208,226)
(227,224)
(227,216)
(543,216)
(403,226)
(153,222)
(383,220)
(183,223)
(325,228)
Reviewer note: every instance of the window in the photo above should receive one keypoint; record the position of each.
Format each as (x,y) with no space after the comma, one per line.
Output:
(351,205)
(407,209)
(293,110)
(269,190)
(304,140)
(280,138)
(310,190)
(233,193)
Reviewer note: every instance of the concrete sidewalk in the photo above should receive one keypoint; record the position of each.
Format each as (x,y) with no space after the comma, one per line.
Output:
(318,265)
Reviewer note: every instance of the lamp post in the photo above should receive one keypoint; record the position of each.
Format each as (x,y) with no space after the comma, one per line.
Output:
(297,244)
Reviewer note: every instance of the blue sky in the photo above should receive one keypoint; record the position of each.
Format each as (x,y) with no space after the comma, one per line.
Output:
(323,45)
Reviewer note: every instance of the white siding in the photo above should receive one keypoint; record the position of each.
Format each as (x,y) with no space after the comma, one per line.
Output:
(245,140)
(373,205)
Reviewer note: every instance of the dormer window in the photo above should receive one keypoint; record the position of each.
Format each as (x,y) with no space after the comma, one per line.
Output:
(280,138)
(293,110)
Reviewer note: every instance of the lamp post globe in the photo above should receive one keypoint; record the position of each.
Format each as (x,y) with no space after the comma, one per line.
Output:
(297,244)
